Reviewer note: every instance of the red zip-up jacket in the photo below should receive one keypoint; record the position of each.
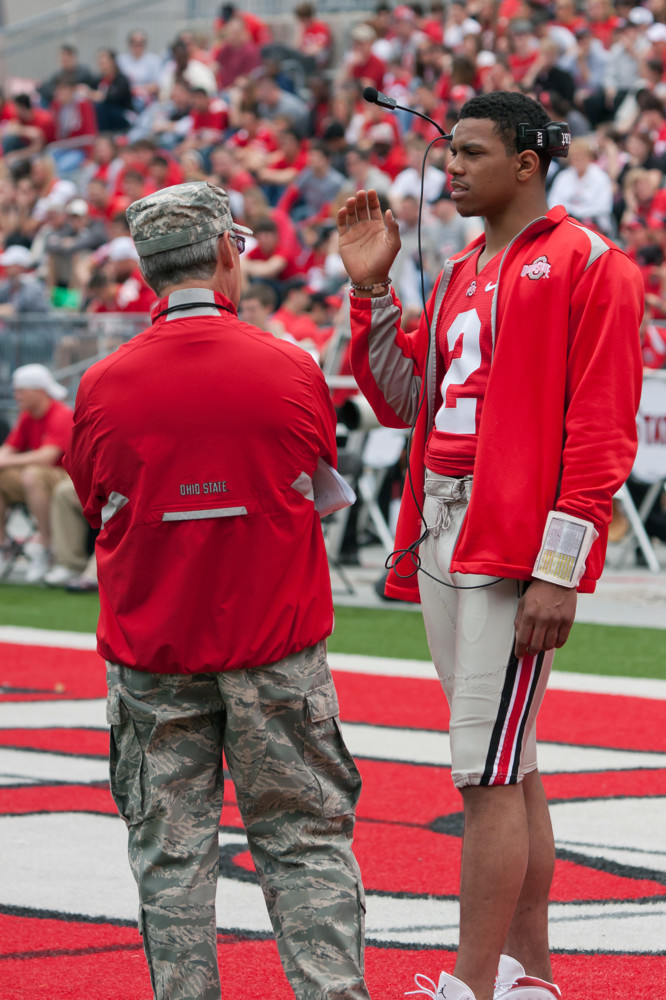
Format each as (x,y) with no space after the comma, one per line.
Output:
(558,428)
(193,449)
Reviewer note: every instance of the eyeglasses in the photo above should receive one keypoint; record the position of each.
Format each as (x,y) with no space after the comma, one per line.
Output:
(237,238)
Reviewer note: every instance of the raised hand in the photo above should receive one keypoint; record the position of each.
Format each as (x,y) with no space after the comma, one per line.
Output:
(368,243)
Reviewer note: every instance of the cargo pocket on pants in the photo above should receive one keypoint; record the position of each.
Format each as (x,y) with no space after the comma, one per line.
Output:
(326,754)
(126,763)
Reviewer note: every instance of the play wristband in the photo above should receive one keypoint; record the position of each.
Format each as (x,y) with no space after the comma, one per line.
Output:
(566,544)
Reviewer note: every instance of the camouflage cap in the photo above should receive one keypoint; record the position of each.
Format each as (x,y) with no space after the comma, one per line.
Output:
(179,216)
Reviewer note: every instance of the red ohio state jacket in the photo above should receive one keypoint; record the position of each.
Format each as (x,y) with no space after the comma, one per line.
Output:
(558,428)
(193,450)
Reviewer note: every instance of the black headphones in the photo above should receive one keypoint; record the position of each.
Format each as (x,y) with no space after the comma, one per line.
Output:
(554,138)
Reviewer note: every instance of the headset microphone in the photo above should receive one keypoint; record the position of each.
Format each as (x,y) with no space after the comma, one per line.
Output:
(374,96)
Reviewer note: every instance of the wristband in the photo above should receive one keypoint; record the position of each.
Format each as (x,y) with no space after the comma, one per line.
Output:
(566,544)
(379,287)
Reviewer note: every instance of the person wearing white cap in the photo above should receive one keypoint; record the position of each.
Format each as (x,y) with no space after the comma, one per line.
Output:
(132,294)
(656,34)
(31,457)
(21,291)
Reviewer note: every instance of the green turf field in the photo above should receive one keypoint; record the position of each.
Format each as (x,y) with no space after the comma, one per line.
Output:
(597,649)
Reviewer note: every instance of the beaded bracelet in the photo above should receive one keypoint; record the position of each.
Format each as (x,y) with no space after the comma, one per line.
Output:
(376,289)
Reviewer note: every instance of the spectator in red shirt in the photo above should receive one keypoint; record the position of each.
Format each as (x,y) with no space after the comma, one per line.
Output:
(602,20)
(258,30)
(650,260)
(103,164)
(7,109)
(427,101)
(642,198)
(210,117)
(103,204)
(227,172)
(282,166)
(315,37)
(209,121)
(164,172)
(132,293)
(255,207)
(31,457)
(238,54)
(75,118)
(635,236)
(20,223)
(652,122)
(28,133)
(294,315)
(74,114)
(433,26)
(135,186)
(361,63)
(373,115)
(257,306)
(137,158)
(385,153)
(524,48)
(567,16)
(269,261)
(254,137)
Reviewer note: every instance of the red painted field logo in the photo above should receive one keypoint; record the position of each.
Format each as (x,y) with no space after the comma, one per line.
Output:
(539,268)
(68,901)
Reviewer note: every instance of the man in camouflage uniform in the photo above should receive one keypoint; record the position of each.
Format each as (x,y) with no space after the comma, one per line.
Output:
(194,450)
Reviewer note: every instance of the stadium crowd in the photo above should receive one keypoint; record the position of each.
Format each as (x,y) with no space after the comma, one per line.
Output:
(285,131)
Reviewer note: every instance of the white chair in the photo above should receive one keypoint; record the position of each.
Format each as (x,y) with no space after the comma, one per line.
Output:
(383,448)
(649,467)
(20,527)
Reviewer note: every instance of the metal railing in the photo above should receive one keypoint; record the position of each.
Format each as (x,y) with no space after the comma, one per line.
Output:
(28,48)
(66,343)
(69,343)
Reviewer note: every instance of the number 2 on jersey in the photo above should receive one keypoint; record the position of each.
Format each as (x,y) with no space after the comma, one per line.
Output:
(458,416)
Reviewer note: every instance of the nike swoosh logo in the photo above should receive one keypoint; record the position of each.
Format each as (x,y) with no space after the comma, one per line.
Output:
(490,286)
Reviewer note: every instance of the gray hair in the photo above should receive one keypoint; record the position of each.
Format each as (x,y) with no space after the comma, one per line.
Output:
(174,267)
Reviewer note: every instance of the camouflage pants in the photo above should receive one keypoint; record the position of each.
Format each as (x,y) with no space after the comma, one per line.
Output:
(296,787)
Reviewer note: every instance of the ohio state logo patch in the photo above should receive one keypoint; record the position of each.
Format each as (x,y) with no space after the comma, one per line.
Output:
(471,290)
(539,268)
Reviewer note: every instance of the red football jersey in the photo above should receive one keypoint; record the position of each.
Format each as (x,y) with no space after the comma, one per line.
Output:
(464,353)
